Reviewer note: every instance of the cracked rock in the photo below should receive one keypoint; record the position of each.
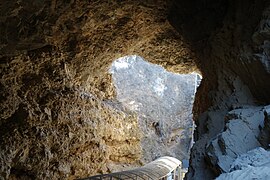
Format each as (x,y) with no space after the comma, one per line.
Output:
(240,136)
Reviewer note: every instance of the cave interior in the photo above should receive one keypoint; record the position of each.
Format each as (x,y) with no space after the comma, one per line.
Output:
(60,118)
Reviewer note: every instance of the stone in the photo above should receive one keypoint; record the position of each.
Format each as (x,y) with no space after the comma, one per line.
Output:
(255,164)
(248,173)
(264,136)
(57,100)
(240,136)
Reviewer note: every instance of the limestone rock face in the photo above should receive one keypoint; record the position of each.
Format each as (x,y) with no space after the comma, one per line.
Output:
(231,42)
(58,117)
(163,102)
(58,114)
(239,136)
(264,137)
(75,135)
(254,164)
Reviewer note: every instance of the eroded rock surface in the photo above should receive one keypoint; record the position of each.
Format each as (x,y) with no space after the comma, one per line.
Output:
(58,117)
(254,164)
(51,52)
(231,42)
(240,135)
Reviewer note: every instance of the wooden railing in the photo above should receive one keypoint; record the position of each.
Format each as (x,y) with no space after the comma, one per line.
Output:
(164,168)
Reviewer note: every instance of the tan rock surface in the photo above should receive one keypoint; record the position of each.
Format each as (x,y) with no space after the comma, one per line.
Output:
(56,122)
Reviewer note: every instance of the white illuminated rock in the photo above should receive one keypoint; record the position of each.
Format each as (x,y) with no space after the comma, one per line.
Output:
(255,164)
(163,101)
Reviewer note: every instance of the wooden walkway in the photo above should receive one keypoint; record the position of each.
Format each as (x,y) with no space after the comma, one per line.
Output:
(164,168)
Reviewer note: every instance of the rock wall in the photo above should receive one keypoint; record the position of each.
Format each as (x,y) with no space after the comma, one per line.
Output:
(231,40)
(58,116)
(254,164)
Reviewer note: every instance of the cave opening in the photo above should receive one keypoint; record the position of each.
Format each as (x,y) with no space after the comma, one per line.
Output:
(163,102)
